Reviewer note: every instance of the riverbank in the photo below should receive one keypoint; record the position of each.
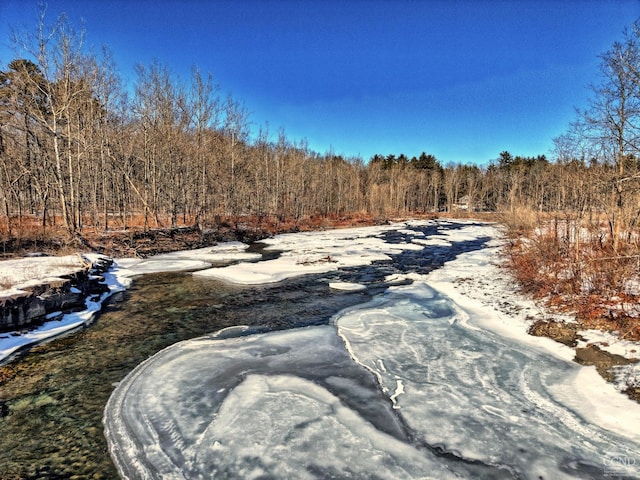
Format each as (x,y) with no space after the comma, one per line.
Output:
(490,281)
(614,357)
(140,242)
(37,287)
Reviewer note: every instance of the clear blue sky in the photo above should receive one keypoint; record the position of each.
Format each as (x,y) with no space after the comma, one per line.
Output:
(463,80)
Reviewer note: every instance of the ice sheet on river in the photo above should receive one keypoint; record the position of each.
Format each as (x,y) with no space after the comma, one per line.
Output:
(287,404)
(315,252)
(293,405)
(429,380)
(486,396)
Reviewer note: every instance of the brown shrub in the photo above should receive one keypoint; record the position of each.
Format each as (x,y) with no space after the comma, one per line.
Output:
(587,278)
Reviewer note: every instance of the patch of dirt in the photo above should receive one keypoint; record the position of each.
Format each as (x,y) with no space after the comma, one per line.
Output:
(605,364)
(603,361)
(633,393)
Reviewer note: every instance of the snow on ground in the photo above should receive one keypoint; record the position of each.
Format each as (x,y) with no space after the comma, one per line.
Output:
(625,375)
(37,270)
(24,272)
(476,280)
(221,253)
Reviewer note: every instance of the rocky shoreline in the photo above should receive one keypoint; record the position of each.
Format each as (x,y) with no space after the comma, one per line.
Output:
(28,305)
(589,354)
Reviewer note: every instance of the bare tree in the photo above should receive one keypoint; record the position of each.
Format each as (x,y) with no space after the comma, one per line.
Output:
(63,86)
(205,112)
(611,125)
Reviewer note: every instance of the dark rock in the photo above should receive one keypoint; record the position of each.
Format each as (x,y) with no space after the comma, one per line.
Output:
(17,310)
(563,332)
(29,307)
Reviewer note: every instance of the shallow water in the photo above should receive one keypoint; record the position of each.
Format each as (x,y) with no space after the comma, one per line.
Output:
(52,400)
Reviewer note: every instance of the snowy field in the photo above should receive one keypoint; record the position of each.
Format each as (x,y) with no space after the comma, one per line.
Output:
(434,379)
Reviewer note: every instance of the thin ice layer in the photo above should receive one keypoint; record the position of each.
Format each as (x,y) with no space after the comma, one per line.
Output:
(485,396)
(286,405)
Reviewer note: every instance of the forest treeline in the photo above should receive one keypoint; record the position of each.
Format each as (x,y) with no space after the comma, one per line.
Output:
(81,149)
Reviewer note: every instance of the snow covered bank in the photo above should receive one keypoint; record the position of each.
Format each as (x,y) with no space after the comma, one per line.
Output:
(484,291)
(24,273)
(51,276)
(479,280)
(18,275)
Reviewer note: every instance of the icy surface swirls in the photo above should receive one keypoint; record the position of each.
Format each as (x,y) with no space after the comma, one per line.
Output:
(286,404)
(407,389)
(415,383)
(483,396)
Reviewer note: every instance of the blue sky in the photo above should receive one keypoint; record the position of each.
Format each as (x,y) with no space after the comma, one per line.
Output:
(463,80)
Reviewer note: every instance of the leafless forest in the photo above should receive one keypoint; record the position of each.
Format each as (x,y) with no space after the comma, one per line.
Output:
(82,152)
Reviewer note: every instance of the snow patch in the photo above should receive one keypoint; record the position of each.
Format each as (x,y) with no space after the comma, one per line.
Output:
(348,286)
(316,252)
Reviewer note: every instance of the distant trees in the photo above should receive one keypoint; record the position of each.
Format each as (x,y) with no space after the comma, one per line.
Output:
(79,149)
(505,184)
(406,184)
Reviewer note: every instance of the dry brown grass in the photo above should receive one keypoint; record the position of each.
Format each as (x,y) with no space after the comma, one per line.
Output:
(587,278)
(136,240)
(521,220)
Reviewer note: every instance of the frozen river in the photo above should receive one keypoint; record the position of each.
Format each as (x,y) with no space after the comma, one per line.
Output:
(431,377)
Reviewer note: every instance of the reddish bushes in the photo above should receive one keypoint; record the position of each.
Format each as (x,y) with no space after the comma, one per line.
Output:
(574,270)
